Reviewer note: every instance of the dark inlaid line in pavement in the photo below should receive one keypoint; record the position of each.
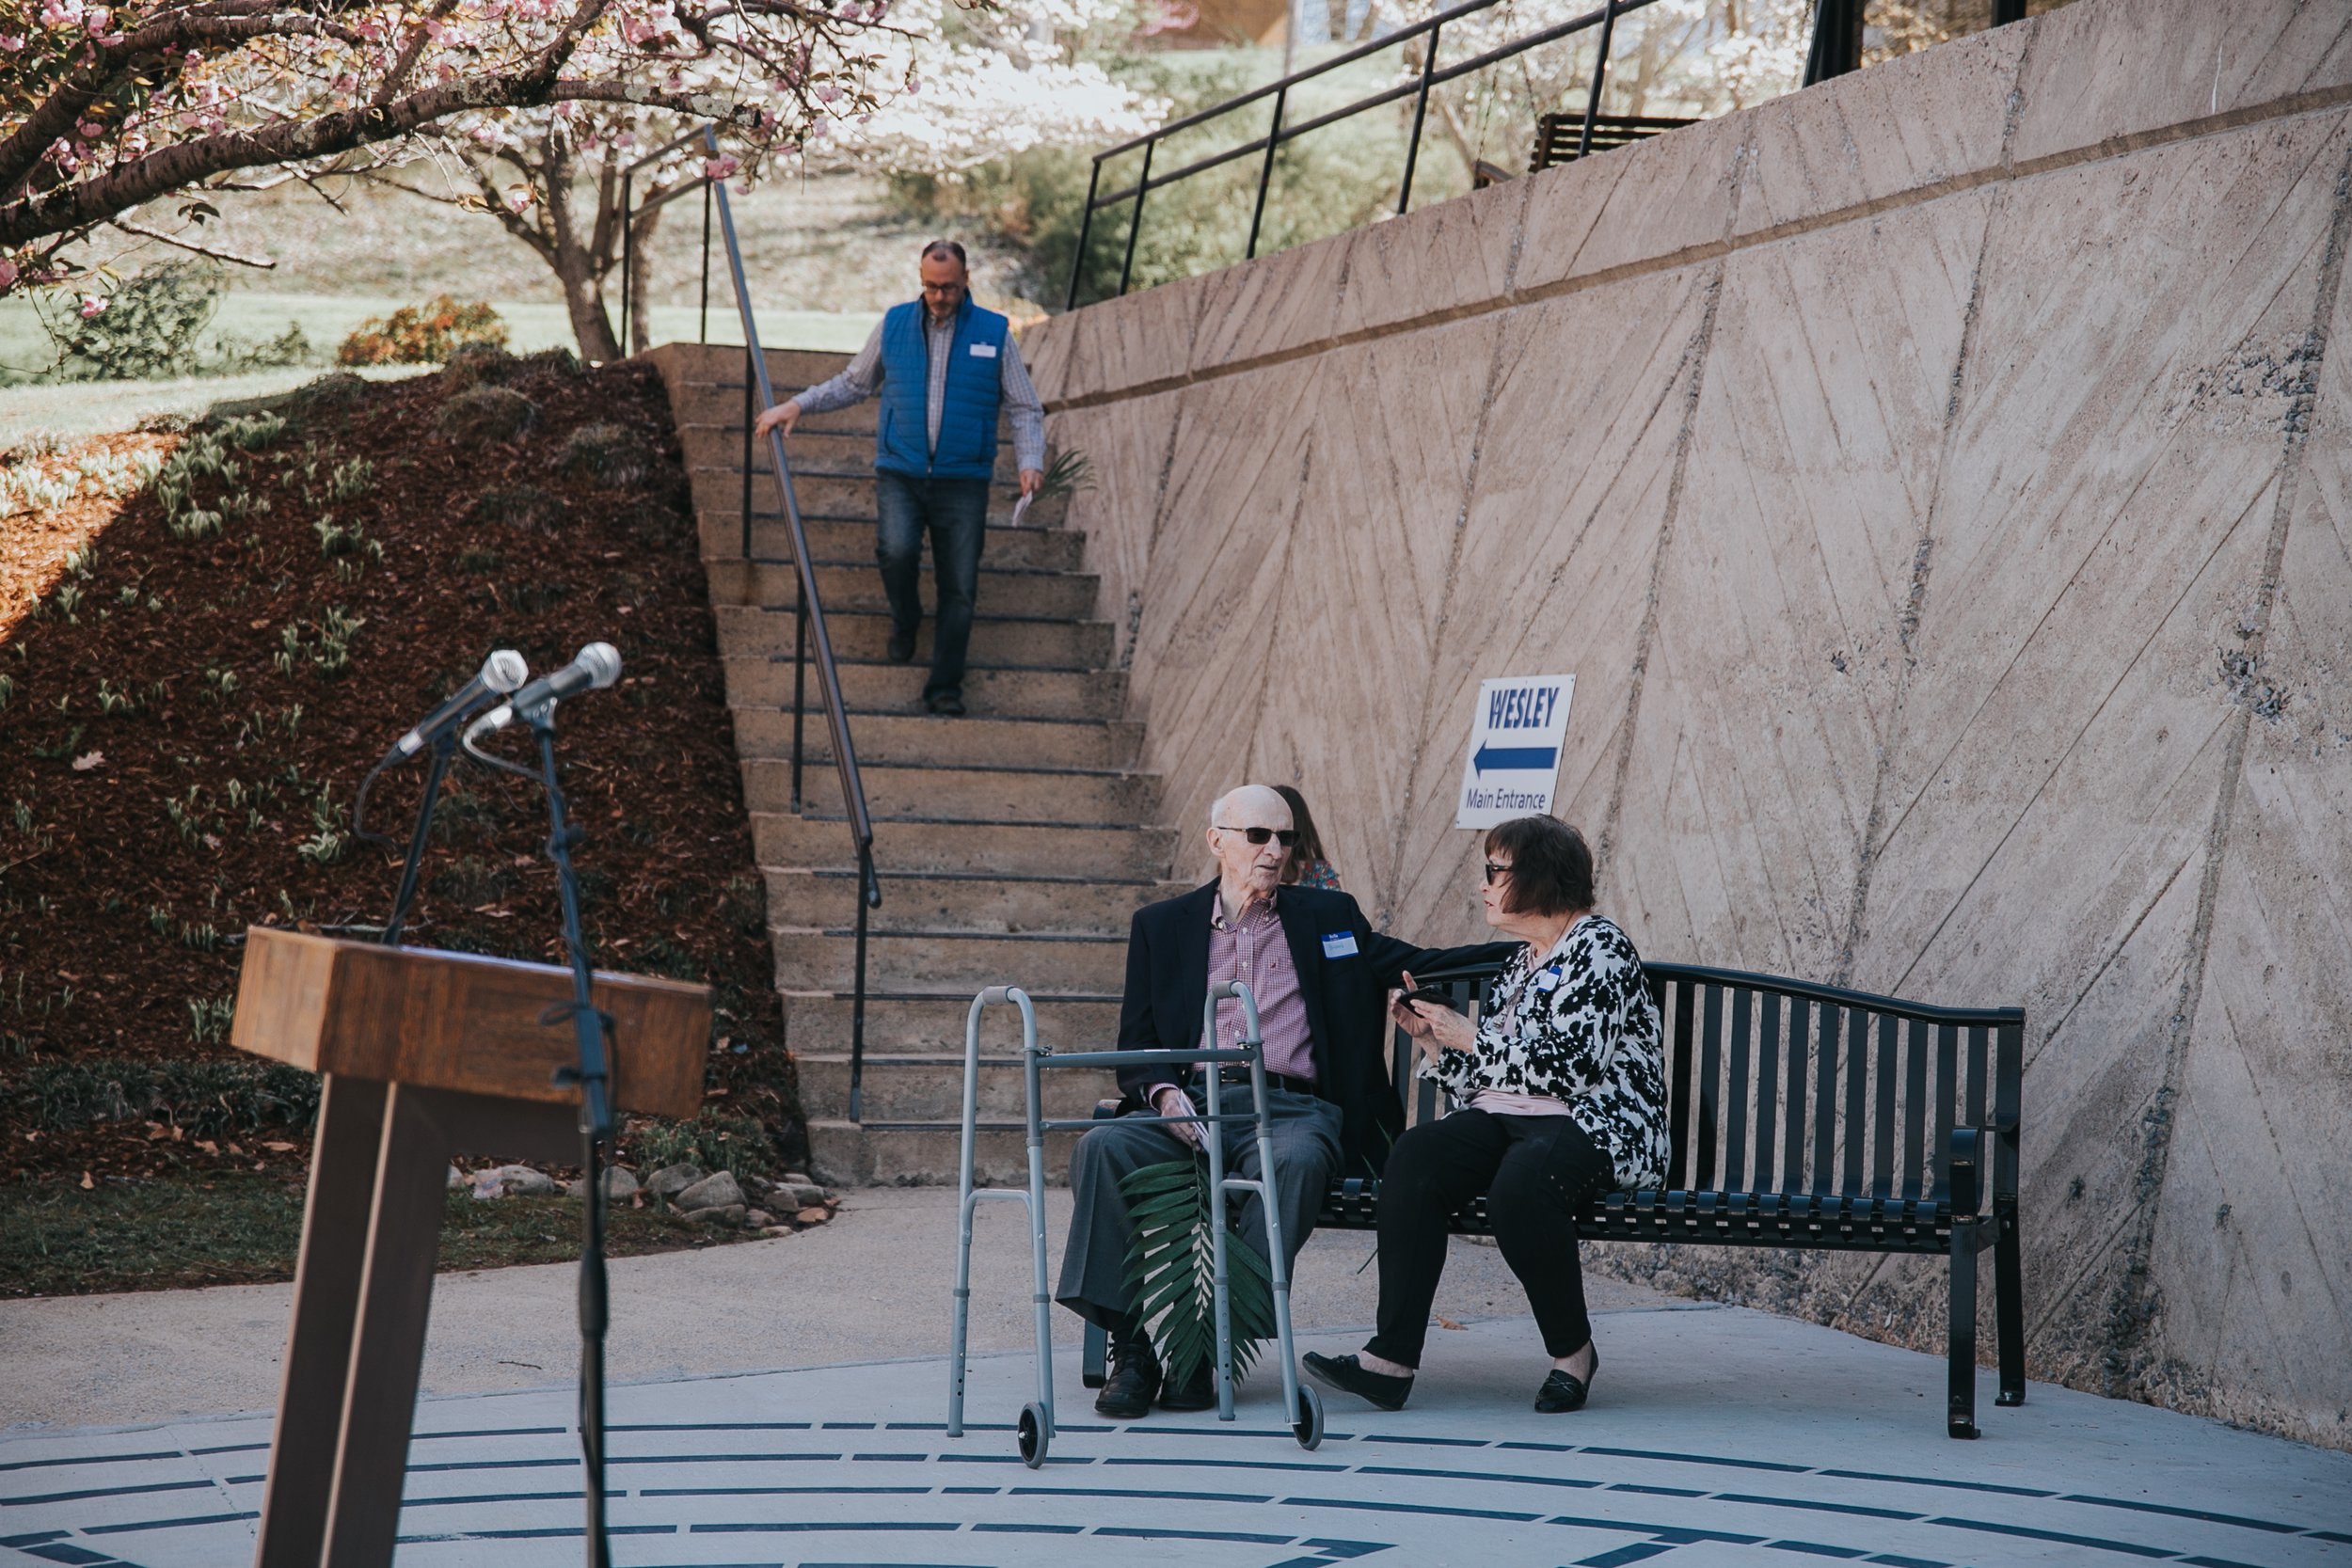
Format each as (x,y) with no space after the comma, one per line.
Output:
(1164,1462)
(1937,1480)
(88,1458)
(1702,1458)
(799,1527)
(2027,1532)
(547,1532)
(503,1432)
(693,1459)
(2204,1515)
(1059,1462)
(702,1426)
(172,1524)
(1640,1551)
(1210,1432)
(1891,1560)
(1816,1548)
(1330,1547)
(1475,1475)
(1425,1442)
(2217,1562)
(1028,1530)
(889,1457)
(1145,1533)
(1136,1491)
(467,1499)
(1675,1534)
(849,1426)
(1437,1509)
(231,1447)
(76,1556)
(2336,1536)
(103,1491)
(1542,1448)
(799,1491)
(500,1464)
(1817,1506)
(1653,1491)
(34,1539)
(969,1491)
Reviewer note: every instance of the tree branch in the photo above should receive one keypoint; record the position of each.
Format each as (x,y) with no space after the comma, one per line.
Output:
(262,262)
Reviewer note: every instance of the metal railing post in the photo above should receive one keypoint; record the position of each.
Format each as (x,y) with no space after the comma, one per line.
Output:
(1266,172)
(1134,224)
(1086,228)
(1601,74)
(800,679)
(1420,112)
(857,1000)
(628,255)
(749,414)
(702,335)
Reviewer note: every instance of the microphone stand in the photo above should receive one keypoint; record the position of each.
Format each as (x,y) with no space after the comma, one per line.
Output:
(443,750)
(593,1078)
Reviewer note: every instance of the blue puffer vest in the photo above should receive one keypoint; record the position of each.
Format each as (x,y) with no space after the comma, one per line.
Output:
(967,418)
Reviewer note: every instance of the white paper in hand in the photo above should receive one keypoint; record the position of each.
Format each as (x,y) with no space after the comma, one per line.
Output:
(1018,508)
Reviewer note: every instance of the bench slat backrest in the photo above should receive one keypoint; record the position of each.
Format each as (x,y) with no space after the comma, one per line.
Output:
(1778,1085)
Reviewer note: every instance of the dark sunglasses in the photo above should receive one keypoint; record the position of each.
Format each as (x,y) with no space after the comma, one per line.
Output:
(1283,836)
(1494,871)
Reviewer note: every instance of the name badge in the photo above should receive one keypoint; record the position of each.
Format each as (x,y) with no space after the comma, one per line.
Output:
(983,351)
(1548,980)
(1340,944)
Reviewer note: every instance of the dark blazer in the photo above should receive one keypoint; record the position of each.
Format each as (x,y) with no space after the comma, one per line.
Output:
(1168,980)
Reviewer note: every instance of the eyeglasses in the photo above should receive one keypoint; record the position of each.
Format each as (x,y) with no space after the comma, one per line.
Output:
(1283,836)
(1495,871)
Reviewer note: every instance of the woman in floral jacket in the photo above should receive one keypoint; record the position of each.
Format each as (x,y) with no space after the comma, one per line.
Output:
(1561,1096)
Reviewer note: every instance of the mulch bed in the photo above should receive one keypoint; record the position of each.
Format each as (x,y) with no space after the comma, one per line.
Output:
(178,749)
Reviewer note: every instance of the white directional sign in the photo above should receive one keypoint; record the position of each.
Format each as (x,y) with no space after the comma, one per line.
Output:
(1514,761)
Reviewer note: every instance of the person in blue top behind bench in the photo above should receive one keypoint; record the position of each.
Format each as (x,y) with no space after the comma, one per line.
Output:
(944,369)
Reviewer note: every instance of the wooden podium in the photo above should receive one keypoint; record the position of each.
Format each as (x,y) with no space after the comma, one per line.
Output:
(424,1054)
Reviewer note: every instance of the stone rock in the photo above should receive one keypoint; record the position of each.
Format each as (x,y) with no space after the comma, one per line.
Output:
(795,1179)
(720,1191)
(814,1216)
(522,1181)
(759,1219)
(805,1194)
(777,1230)
(619,1185)
(670,1180)
(731,1214)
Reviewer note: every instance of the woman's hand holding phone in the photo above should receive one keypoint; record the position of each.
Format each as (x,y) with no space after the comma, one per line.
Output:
(1432,1022)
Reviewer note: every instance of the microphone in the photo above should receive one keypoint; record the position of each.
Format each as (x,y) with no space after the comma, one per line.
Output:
(501,672)
(597,666)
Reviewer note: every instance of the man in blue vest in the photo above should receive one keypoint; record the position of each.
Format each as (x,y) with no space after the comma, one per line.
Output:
(944,368)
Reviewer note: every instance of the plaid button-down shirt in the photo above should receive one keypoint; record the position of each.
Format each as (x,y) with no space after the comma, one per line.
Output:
(863,378)
(1253,950)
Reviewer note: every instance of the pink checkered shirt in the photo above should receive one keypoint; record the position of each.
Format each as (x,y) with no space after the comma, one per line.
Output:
(1254,951)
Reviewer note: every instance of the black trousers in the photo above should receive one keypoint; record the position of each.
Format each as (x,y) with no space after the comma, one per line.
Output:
(1537,1174)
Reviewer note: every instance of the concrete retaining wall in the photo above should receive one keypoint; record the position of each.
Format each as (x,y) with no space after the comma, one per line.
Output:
(1938,483)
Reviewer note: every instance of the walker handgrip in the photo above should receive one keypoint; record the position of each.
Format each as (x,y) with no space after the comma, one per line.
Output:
(995,996)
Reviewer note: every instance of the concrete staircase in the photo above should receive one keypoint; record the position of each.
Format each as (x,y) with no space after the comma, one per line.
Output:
(1012,844)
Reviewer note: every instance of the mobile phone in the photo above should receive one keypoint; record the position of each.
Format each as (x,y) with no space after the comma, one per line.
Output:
(1413,999)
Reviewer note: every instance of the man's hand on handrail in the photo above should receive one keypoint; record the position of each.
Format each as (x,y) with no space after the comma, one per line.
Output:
(1172,1101)
(785,414)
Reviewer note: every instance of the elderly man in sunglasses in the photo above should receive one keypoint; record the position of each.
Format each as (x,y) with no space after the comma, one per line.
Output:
(1321,977)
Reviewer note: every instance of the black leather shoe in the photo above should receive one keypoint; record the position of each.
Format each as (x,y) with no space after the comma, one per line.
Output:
(1564,1391)
(1197,1392)
(1133,1380)
(1351,1376)
(950,704)
(901,646)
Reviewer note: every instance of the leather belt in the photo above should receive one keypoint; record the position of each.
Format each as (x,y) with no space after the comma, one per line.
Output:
(1236,1074)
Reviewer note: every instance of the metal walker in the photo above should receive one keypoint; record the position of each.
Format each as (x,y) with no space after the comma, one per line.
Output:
(1036,1427)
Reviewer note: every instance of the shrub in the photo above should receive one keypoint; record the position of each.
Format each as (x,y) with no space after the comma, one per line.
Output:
(525,506)
(210,1100)
(738,1144)
(423,334)
(148,327)
(481,415)
(479,365)
(329,394)
(611,453)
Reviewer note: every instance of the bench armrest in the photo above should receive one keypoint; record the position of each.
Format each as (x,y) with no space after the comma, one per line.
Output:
(1964,1163)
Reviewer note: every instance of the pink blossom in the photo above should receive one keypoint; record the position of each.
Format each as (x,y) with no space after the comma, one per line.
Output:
(518,199)
(90,128)
(7,275)
(346,82)
(722,168)
(637,30)
(60,14)
(914,84)
(92,305)
(12,42)
(827,93)
(99,17)
(816,131)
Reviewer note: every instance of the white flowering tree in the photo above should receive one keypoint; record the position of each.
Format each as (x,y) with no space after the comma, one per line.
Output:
(127,114)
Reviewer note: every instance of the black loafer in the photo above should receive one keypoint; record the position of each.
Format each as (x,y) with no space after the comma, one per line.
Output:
(1135,1379)
(1563,1391)
(1351,1376)
(1197,1392)
(948,704)
(901,648)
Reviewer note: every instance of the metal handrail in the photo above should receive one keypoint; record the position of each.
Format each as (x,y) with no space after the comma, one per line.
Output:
(1278,133)
(808,609)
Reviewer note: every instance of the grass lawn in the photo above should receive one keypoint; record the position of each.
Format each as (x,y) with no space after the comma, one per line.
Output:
(57,1240)
(82,408)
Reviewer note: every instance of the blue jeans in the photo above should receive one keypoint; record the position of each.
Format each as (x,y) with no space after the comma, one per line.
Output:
(955,512)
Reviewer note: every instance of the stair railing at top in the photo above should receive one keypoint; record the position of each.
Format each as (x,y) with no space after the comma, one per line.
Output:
(808,609)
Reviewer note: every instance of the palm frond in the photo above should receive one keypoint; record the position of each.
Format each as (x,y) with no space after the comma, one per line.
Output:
(1172,1270)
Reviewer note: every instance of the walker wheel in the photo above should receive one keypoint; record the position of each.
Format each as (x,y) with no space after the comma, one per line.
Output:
(1034,1434)
(1308,1427)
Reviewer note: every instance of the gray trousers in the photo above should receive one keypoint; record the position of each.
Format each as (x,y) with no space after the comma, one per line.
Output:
(1306,1135)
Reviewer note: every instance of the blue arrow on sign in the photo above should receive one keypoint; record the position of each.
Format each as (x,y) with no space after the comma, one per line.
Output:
(1513,759)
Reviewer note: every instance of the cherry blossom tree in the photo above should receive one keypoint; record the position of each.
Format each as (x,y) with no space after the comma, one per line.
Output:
(129,114)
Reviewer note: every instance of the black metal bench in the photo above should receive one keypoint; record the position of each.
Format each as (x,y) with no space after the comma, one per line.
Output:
(1558,137)
(1804,1116)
